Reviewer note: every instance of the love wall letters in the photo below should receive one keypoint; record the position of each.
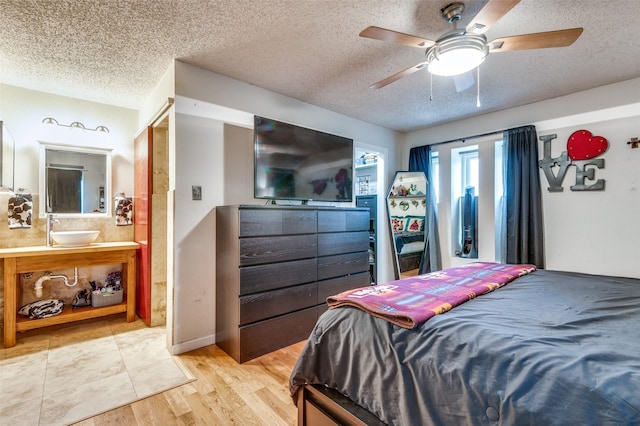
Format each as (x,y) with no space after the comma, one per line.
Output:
(582,148)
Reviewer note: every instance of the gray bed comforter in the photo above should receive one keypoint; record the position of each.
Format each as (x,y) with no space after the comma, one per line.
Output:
(549,348)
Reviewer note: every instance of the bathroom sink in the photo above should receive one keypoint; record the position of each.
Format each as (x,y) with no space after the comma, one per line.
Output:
(74,238)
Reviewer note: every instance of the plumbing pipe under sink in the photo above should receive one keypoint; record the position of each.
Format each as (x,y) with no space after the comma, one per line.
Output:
(46,277)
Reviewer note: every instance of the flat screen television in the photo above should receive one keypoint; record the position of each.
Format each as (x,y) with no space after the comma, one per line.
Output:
(296,163)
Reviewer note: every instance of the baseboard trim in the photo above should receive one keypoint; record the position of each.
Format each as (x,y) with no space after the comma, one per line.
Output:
(193,344)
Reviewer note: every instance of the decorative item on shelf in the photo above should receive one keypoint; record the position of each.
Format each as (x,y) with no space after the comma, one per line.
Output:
(370,158)
(367,159)
(363,185)
(400,191)
(634,142)
(75,125)
(413,190)
(124,209)
(398,224)
(111,293)
(113,279)
(20,209)
(82,298)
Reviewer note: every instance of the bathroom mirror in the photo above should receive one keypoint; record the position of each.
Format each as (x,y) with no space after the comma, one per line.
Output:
(406,208)
(74,180)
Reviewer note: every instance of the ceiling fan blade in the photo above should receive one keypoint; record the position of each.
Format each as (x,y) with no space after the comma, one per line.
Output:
(489,15)
(559,38)
(398,76)
(391,36)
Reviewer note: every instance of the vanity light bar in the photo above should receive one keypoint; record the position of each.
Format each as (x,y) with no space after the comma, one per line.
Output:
(75,124)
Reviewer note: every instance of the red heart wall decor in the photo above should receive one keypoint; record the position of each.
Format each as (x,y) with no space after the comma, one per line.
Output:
(582,145)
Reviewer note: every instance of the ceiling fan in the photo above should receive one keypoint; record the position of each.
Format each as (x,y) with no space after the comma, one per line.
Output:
(461,50)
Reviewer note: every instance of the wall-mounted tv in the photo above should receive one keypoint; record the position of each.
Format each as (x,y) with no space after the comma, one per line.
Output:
(295,163)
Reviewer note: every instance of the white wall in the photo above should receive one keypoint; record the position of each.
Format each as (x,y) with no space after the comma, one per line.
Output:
(198,162)
(596,231)
(164,89)
(207,100)
(611,101)
(23,110)
(593,231)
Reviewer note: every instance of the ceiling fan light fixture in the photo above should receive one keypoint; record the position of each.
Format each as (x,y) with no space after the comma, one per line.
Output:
(456,54)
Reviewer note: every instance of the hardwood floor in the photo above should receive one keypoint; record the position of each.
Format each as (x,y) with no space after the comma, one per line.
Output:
(224,393)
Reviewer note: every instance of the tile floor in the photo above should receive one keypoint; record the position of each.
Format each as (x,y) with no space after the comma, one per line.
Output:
(63,374)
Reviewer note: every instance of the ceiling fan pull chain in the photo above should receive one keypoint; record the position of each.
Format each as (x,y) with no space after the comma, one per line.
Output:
(478,87)
(430,86)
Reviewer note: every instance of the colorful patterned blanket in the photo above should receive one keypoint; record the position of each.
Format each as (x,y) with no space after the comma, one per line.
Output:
(411,301)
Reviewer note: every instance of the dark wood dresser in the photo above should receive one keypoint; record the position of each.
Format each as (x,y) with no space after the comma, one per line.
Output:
(275,268)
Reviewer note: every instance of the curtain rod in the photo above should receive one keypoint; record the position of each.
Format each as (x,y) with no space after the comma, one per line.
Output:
(464,139)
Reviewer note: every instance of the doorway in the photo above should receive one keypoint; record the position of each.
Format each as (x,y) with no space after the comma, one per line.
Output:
(151,178)
(369,188)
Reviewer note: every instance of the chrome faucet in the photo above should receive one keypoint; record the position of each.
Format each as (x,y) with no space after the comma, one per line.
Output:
(51,219)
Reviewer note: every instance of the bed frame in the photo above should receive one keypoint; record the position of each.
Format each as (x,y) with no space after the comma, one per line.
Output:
(410,261)
(322,406)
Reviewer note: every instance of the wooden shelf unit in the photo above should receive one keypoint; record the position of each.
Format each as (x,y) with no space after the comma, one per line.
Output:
(42,258)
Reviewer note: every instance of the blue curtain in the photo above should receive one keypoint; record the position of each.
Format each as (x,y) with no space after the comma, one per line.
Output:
(420,161)
(523,233)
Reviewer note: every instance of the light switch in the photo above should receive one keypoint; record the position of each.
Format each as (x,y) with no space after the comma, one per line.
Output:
(196,192)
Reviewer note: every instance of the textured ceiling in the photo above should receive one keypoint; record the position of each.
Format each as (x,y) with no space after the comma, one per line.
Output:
(115,51)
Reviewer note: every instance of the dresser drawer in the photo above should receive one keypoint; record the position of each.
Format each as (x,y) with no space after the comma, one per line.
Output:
(254,279)
(358,220)
(322,309)
(266,336)
(342,242)
(334,286)
(258,222)
(259,250)
(259,306)
(368,202)
(342,264)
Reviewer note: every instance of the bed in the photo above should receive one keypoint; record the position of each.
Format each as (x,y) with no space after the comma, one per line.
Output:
(550,347)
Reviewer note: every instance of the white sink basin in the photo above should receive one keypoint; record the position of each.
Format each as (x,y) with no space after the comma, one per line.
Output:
(74,238)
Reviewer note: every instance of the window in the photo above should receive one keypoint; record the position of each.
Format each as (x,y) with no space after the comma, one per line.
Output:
(465,190)
(470,170)
(459,166)
(435,175)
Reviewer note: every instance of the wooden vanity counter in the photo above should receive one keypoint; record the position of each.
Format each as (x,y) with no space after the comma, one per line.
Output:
(42,258)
